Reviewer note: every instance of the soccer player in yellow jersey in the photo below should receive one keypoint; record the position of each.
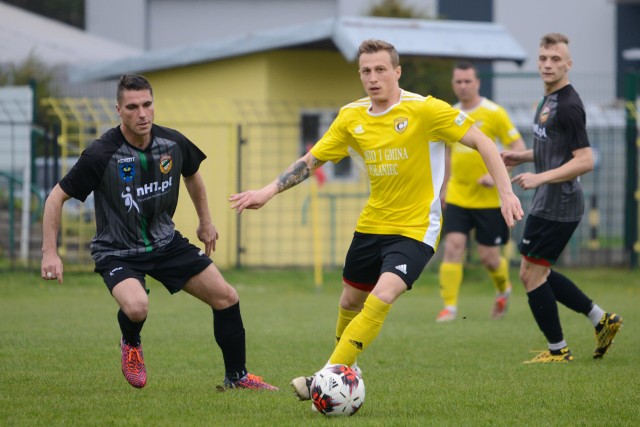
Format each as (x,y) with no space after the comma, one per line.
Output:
(400,136)
(471,200)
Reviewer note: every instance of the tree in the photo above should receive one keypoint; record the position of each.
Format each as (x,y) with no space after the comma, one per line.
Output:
(426,76)
(396,9)
(31,71)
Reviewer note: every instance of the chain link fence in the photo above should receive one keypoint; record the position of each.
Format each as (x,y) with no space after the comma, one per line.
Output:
(248,143)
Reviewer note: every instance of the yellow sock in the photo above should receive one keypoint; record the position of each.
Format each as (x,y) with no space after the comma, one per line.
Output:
(450,279)
(360,332)
(500,276)
(344,318)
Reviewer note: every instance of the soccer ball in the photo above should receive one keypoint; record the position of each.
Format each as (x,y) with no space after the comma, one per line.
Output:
(337,390)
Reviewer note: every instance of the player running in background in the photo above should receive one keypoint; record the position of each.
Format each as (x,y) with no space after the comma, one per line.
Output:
(471,200)
(561,153)
(400,137)
(134,171)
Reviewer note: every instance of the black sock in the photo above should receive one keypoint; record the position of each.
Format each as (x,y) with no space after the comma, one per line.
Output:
(130,330)
(228,331)
(568,293)
(545,311)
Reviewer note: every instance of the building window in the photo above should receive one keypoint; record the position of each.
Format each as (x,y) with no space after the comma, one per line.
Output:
(314,124)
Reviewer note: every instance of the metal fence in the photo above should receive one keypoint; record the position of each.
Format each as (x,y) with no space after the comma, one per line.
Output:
(602,236)
(250,142)
(597,241)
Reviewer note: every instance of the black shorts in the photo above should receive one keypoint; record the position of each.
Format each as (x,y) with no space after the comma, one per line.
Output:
(172,265)
(544,240)
(491,229)
(370,255)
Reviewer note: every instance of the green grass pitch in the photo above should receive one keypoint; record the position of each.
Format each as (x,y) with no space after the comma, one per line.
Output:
(60,360)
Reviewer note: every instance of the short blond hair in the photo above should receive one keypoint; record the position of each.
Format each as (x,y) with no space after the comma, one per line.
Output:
(551,39)
(373,46)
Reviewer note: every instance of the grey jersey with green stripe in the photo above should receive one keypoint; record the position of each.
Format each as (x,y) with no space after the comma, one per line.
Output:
(135,191)
(559,128)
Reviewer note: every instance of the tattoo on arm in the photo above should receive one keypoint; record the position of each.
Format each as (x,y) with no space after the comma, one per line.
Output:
(297,173)
(316,163)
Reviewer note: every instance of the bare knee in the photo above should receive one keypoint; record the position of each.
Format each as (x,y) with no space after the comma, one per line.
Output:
(138,314)
(211,288)
(352,299)
(525,274)
(132,298)
(532,275)
(136,309)
(350,304)
(218,295)
(454,246)
(489,257)
(228,297)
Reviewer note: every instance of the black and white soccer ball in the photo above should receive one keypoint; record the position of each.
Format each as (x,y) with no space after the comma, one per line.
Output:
(337,390)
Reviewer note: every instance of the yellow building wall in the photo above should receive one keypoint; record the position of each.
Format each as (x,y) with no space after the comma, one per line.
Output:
(326,81)
(243,77)
(312,75)
(207,102)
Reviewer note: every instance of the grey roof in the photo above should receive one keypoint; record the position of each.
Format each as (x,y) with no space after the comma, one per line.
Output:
(454,39)
(23,33)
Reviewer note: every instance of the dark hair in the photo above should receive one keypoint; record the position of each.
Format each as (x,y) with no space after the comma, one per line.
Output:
(551,39)
(132,82)
(466,65)
(373,46)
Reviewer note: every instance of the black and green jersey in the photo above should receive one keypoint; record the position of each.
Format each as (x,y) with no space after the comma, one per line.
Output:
(135,191)
(559,128)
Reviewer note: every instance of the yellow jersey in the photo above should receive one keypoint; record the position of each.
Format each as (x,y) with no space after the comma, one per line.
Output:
(467,165)
(403,151)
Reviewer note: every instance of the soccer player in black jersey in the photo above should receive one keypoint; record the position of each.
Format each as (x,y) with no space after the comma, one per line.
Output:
(561,153)
(134,171)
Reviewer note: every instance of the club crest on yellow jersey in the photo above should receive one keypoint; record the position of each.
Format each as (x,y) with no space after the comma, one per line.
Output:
(400,124)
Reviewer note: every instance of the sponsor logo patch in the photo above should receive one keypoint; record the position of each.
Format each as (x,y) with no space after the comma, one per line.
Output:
(402,267)
(128,200)
(462,117)
(127,169)
(114,271)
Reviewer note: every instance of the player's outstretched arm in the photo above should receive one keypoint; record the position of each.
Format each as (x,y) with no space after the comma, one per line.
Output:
(514,157)
(296,173)
(581,163)
(516,146)
(51,266)
(511,208)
